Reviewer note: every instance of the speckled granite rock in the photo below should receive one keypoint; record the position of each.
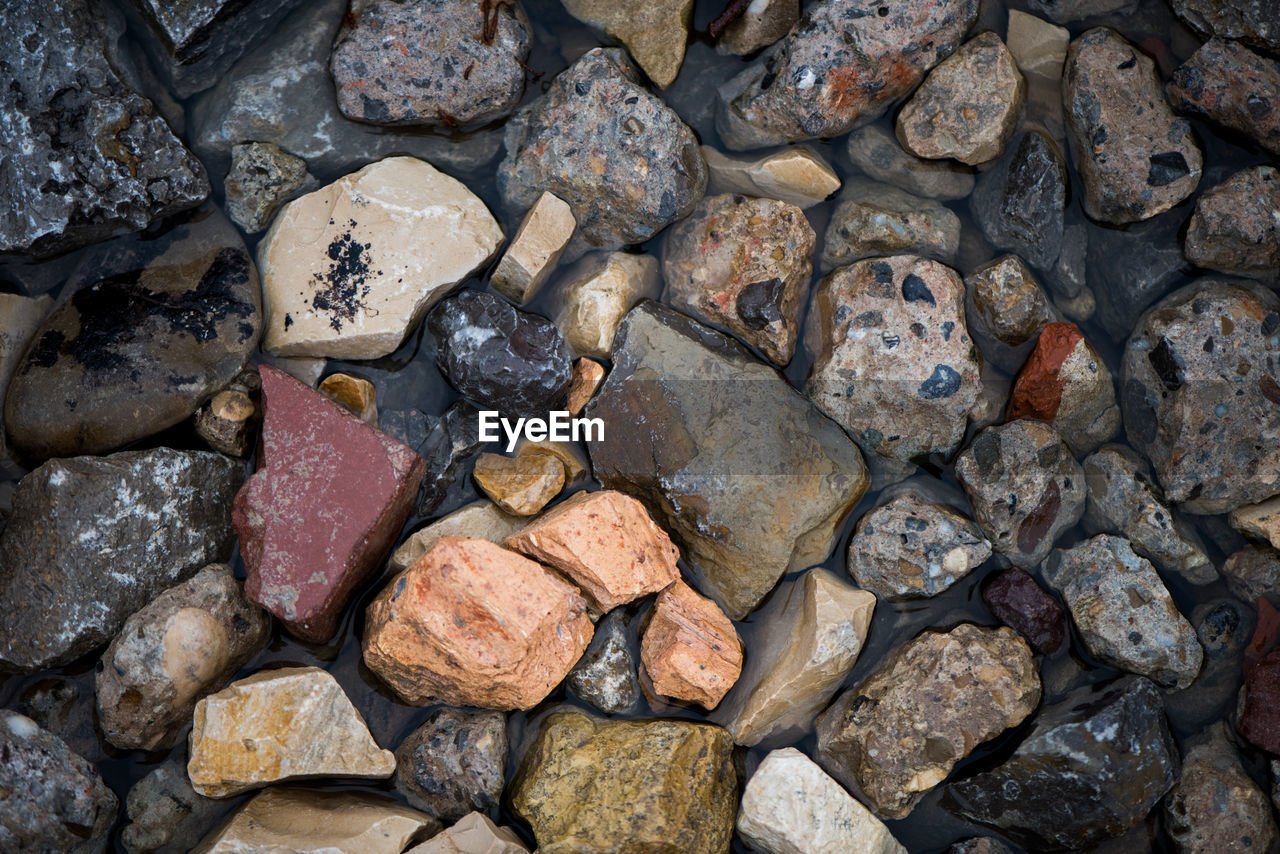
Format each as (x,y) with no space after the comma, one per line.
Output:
(605,676)
(85,546)
(877,219)
(263,176)
(1236,225)
(1232,86)
(879,155)
(1216,805)
(1254,22)
(654,31)
(166,816)
(1019,203)
(454,762)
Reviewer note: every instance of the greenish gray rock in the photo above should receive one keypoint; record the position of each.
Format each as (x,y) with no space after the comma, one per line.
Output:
(878,219)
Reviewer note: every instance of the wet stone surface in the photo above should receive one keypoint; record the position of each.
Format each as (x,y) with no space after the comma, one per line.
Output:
(1019,202)
(1235,228)
(877,219)
(454,763)
(1232,86)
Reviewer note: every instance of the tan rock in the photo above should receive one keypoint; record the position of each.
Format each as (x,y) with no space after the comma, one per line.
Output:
(689,650)
(19,317)
(473,834)
(473,624)
(520,485)
(354,393)
(1261,520)
(576,465)
(348,270)
(482,519)
(654,31)
(597,292)
(276,725)
(797,175)
(803,644)
(1040,49)
(302,822)
(587,376)
(606,543)
(761,24)
(535,250)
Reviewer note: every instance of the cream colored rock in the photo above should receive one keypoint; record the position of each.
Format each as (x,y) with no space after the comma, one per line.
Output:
(535,250)
(1040,49)
(473,834)
(520,485)
(597,292)
(354,393)
(654,31)
(348,270)
(791,806)
(295,821)
(797,175)
(482,519)
(1261,520)
(606,543)
(587,376)
(803,644)
(19,317)
(276,725)
(689,650)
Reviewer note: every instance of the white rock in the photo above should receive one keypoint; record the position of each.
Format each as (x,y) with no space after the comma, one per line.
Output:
(536,249)
(791,806)
(797,175)
(348,270)
(473,834)
(597,292)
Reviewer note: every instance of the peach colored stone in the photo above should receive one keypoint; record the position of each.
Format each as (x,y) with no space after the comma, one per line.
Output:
(606,543)
(689,650)
(473,624)
(587,376)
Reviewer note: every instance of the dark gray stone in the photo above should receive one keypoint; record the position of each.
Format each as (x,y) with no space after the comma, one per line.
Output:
(1019,203)
(166,816)
(1132,269)
(1254,22)
(454,763)
(605,676)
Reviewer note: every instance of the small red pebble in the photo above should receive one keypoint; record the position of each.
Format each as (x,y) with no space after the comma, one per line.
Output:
(1038,390)
(1016,600)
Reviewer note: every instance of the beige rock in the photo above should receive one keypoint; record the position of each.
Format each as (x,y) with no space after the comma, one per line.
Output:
(803,644)
(535,250)
(1261,520)
(606,543)
(797,175)
(348,270)
(473,834)
(302,822)
(473,624)
(1040,49)
(689,649)
(595,295)
(482,519)
(761,24)
(587,376)
(304,369)
(520,485)
(791,806)
(354,393)
(19,317)
(276,725)
(654,31)
(576,465)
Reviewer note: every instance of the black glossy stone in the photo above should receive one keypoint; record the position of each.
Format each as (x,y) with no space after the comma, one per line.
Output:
(1019,204)
(453,440)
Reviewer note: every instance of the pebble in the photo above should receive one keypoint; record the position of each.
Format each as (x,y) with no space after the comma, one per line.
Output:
(743,265)
(623,161)
(522,485)
(586,379)
(355,394)
(1020,202)
(482,519)
(473,834)
(1236,225)
(1260,521)
(1124,501)
(166,816)
(653,31)
(1139,265)
(803,644)
(1216,805)
(893,361)
(1252,572)
(790,805)
(1123,612)
(72,177)
(797,474)
(606,543)
(78,522)
(877,154)
(473,624)
(1066,383)
(535,250)
(1006,308)
(875,219)
(1199,396)
(430,62)
(132,354)
(968,107)
(346,271)
(54,799)
(454,762)
(1040,50)
(1254,22)
(599,786)
(1228,84)
(20,317)
(1093,766)
(1015,599)
(318,517)
(689,650)
(1025,487)
(909,547)
(449,446)
(186,643)
(262,178)
(901,730)
(760,25)
(816,83)
(228,422)
(499,357)
(1135,158)
(797,175)
(597,292)
(1259,707)
(329,822)
(605,676)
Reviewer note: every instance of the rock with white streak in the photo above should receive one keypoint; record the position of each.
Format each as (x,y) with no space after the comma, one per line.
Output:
(594,295)
(796,175)
(535,250)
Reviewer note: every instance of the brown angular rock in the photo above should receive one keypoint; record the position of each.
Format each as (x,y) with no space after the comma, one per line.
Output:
(1006,308)
(605,543)
(1236,225)
(654,31)
(357,395)
(1232,86)
(520,485)
(597,292)
(689,649)
(473,624)
(1040,49)
(587,376)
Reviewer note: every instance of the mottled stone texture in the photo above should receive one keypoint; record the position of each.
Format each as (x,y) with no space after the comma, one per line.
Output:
(1254,22)
(595,787)
(1006,307)
(1217,806)
(263,176)
(455,762)
(86,157)
(93,539)
(605,676)
(1230,85)
(595,294)
(325,506)
(876,219)
(520,485)
(1236,225)
(744,473)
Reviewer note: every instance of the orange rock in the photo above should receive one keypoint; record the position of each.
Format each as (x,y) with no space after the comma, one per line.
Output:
(587,376)
(604,541)
(689,650)
(473,624)
(1038,391)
